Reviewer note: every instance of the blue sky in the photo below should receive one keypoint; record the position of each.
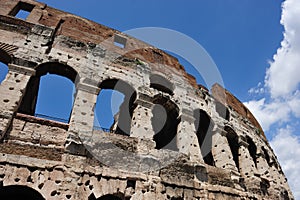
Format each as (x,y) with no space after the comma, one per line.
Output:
(253,43)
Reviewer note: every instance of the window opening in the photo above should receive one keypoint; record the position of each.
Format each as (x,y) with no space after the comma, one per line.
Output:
(50,93)
(105,197)
(22,10)
(55,98)
(222,110)
(120,41)
(3,71)
(114,107)
(19,192)
(165,122)
(233,142)
(204,126)
(252,149)
(107,109)
(267,157)
(162,84)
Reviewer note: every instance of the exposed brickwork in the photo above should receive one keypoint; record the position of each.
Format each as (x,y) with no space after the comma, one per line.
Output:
(59,161)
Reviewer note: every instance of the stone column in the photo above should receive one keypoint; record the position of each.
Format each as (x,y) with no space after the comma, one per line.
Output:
(221,150)
(82,118)
(247,166)
(141,126)
(187,141)
(263,167)
(12,90)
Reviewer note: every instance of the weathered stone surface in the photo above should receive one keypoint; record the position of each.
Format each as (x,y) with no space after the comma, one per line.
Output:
(206,147)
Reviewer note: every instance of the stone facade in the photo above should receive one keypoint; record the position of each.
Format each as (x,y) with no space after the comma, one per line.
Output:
(209,147)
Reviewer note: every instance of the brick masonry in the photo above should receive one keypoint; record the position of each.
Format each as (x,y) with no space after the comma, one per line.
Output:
(59,161)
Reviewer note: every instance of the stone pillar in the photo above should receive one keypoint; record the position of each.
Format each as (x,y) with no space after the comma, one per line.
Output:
(276,177)
(141,126)
(221,150)
(187,141)
(262,165)
(82,118)
(12,90)
(247,166)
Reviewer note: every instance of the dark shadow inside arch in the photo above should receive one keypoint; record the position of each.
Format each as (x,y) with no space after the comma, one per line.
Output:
(3,71)
(5,57)
(4,60)
(252,149)
(118,110)
(204,127)
(162,84)
(52,90)
(105,197)
(233,142)
(222,110)
(15,192)
(266,155)
(165,122)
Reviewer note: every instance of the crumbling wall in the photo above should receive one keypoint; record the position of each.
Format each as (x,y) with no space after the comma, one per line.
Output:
(74,161)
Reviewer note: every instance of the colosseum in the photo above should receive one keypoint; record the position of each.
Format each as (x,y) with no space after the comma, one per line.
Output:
(208,146)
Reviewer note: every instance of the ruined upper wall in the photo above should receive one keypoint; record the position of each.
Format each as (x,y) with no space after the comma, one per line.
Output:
(86,32)
(228,99)
(89,32)
(239,163)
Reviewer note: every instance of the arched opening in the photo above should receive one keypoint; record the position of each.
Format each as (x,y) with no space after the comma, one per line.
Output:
(204,127)
(3,71)
(162,84)
(233,142)
(105,197)
(252,149)
(165,122)
(50,93)
(16,192)
(114,107)
(222,110)
(4,60)
(55,98)
(266,155)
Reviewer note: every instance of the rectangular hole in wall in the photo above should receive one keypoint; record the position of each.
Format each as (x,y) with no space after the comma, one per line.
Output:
(22,10)
(120,41)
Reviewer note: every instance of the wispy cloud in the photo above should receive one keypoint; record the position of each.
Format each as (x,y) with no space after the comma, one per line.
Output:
(289,157)
(282,77)
(281,102)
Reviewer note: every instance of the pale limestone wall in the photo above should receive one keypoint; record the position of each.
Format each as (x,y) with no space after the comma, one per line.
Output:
(60,160)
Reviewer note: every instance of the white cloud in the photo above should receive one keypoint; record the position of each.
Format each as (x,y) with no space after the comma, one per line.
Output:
(287,148)
(270,113)
(259,89)
(282,77)
(281,102)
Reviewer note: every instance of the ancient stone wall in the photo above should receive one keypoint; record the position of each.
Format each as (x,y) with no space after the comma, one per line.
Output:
(210,146)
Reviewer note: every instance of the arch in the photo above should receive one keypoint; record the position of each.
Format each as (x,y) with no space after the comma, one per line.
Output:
(204,127)
(3,71)
(5,57)
(122,118)
(165,122)
(56,71)
(222,110)
(162,84)
(233,142)
(252,149)
(266,155)
(106,197)
(19,192)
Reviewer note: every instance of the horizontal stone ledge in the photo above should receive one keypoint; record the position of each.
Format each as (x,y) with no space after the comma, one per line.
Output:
(33,119)
(21,69)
